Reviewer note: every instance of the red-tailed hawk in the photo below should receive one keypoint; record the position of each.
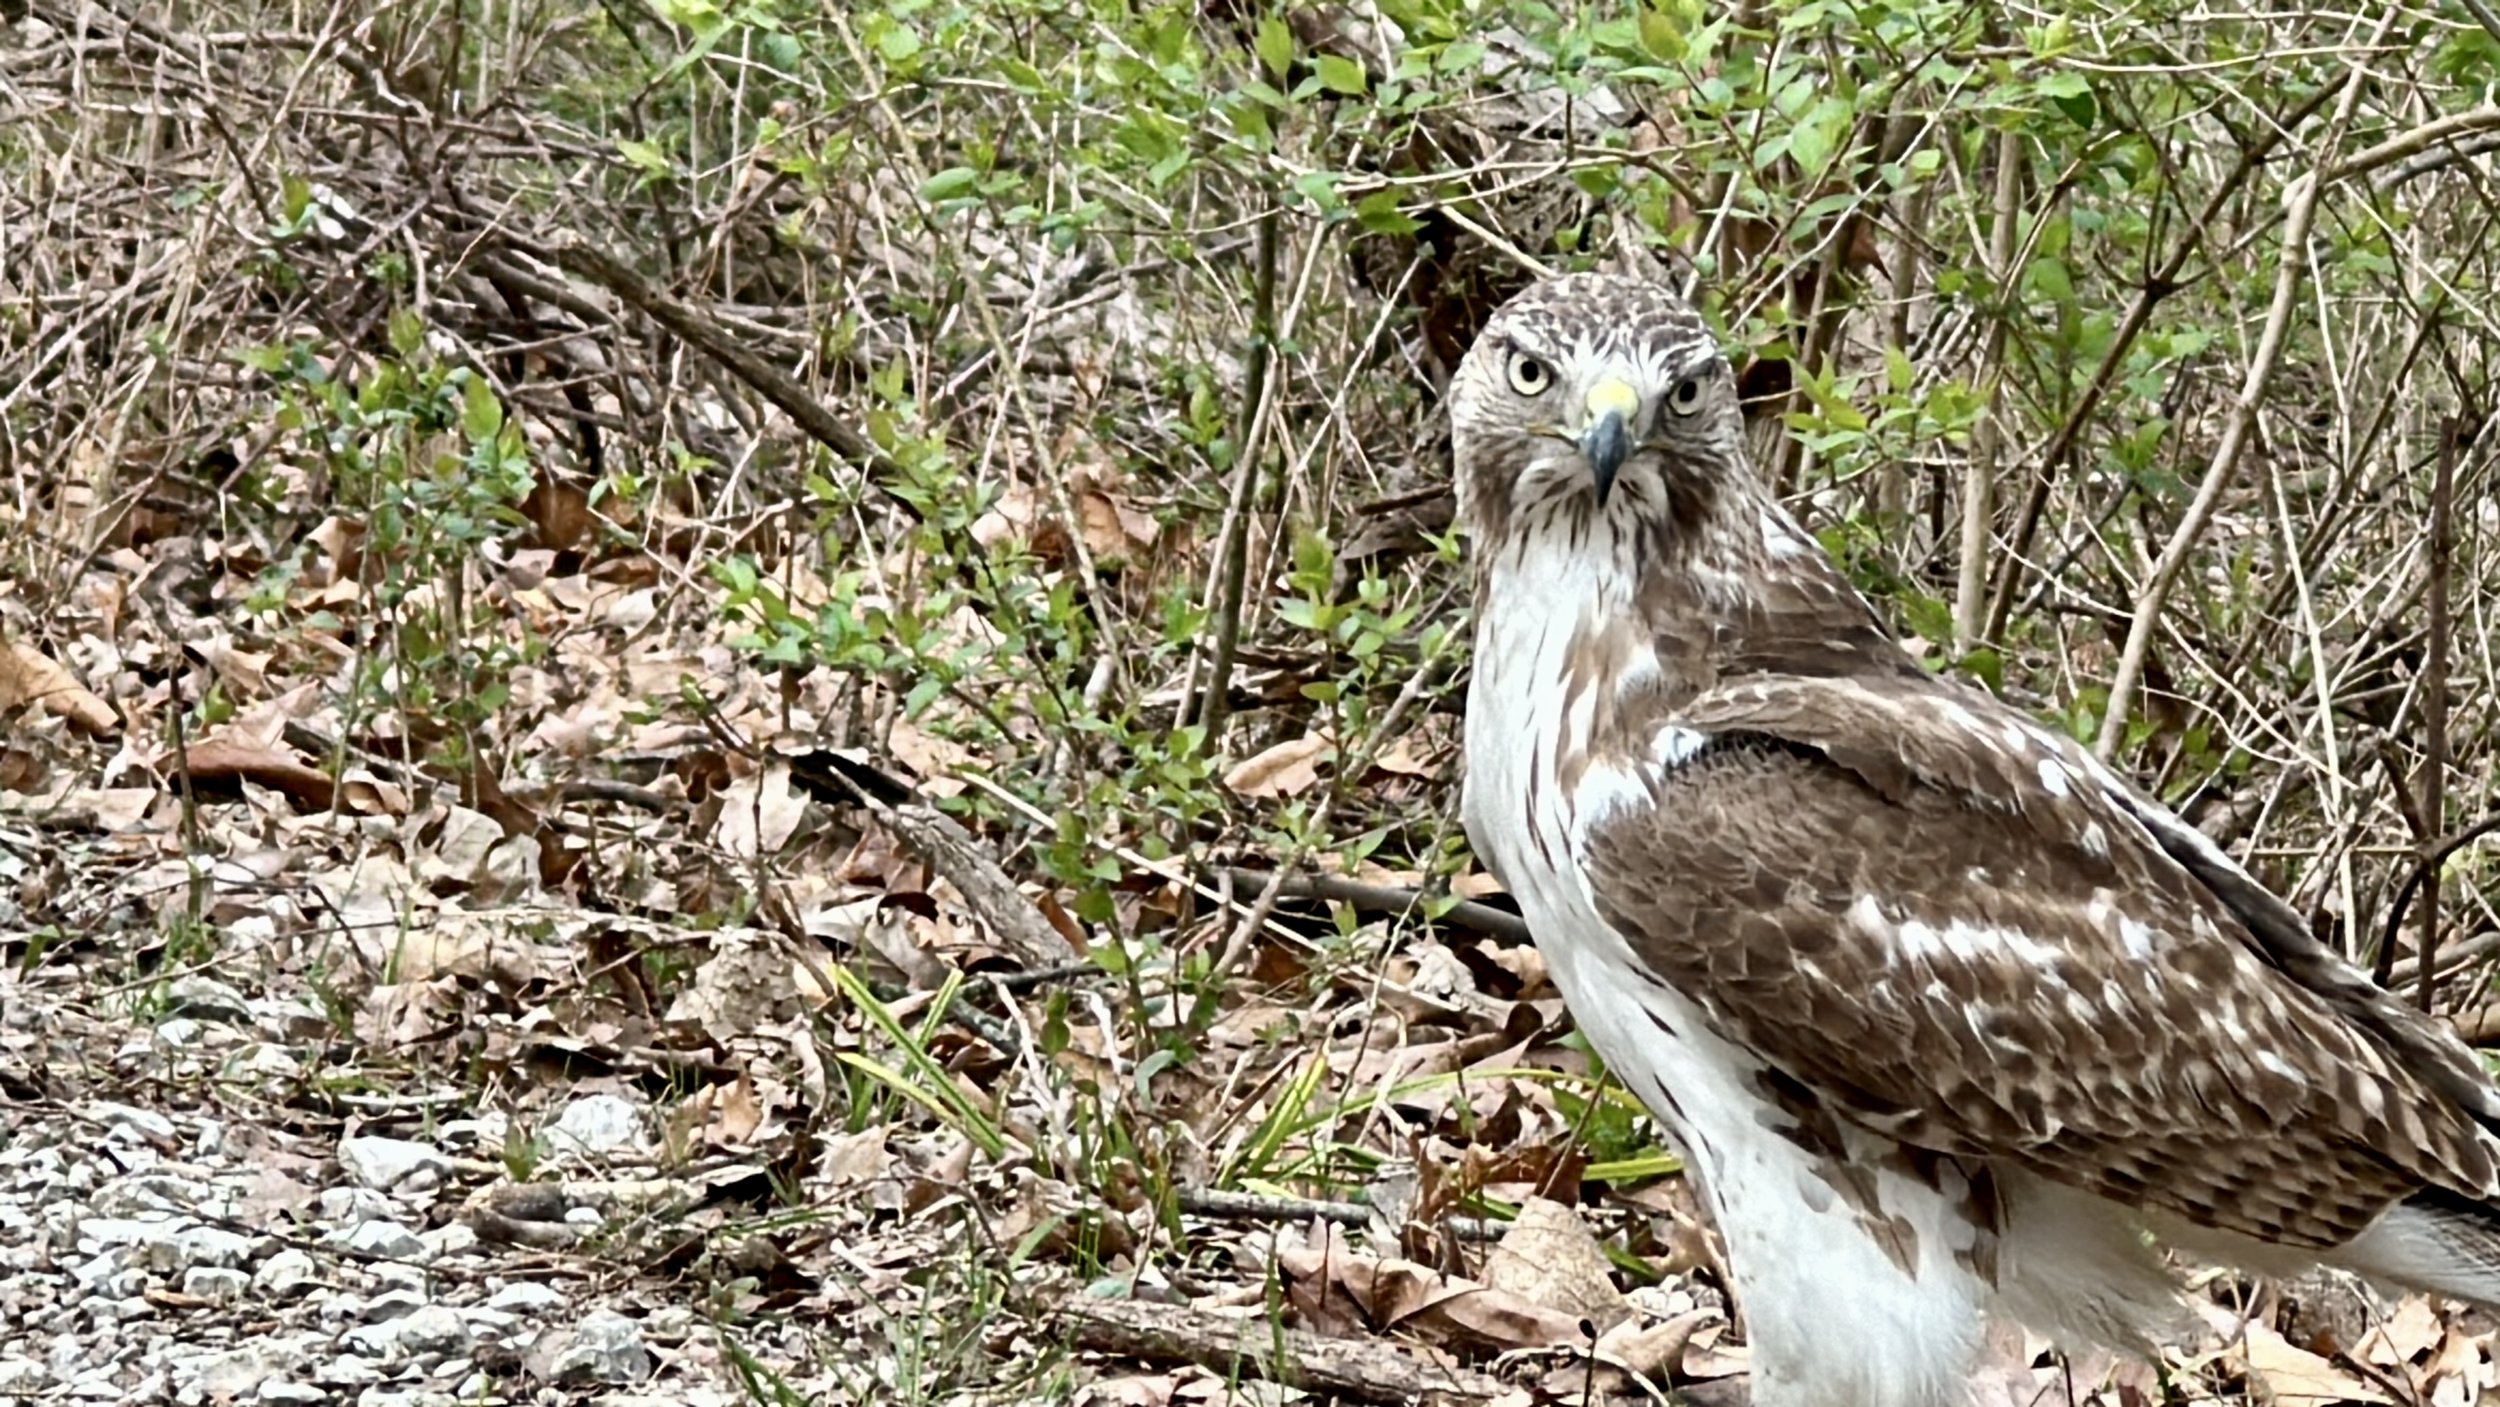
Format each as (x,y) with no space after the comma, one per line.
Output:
(1952,1024)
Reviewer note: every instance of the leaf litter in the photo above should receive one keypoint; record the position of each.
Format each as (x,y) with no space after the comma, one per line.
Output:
(657,968)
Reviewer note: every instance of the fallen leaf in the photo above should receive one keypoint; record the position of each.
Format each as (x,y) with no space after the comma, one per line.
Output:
(759,813)
(2295,1377)
(28,675)
(1287,769)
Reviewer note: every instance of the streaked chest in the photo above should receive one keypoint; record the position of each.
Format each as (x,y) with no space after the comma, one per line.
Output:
(1557,651)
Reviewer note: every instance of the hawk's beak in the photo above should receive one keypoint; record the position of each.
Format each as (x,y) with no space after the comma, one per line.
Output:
(1612,403)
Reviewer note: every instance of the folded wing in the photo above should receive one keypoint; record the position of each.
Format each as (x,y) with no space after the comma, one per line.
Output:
(1957,929)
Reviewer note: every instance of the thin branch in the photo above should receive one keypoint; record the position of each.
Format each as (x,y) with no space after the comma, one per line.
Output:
(1233,552)
(2435,692)
(1970,593)
(2174,555)
(1394,900)
(2427,866)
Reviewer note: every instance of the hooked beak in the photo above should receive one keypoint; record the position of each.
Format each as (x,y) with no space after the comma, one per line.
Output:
(1611,405)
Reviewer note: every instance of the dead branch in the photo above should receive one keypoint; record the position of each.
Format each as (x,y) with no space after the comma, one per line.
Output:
(1369,1369)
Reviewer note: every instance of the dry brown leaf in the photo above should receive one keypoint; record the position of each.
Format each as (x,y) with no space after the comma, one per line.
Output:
(229,756)
(1338,1291)
(932,758)
(1115,531)
(740,1115)
(408,1013)
(460,850)
(1130,1390)
(758,813)
(746,984)
(1411,756)
(1287,769)
(2292,1376)
(855,1159)
(1009,519)
(1549,1258)
(245,674)
(2461,1372)
(28,675)
(2413,1330)
(460,944)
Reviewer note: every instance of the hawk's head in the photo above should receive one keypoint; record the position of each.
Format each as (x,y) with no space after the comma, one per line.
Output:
(1593,393)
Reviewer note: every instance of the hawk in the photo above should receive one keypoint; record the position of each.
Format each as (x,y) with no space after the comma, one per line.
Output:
(1952,1024)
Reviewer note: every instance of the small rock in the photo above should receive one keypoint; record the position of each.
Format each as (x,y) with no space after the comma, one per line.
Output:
(524,1297)
(348,1370)
(605,1347)
(393,1304)
(673,1323)
(218,1284)
(393,1164)
(354,1204)
(146,1123)
(237,1372)
(381,1238)
(450,1239)
(288,1273)
(487,1133)
(285,1392)
(420,1397)
(210,1245)
(109,1231)
(399,1275)
(21,1377)
(266,1061)
(429,1329)
(206,999)
(598,1126)
(290,1019)
(178,1031)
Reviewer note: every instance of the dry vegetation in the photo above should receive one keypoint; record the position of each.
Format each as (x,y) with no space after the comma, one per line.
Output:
(877,578)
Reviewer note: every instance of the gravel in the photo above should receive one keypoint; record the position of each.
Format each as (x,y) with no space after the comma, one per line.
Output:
(226,1247)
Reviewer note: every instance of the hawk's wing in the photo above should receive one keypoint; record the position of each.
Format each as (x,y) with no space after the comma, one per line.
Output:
(1958,929)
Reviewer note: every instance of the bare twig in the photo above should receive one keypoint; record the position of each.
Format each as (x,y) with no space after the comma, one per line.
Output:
(1373,1370)
(1232,557)
(1389,899)
(2434,808)
(2289,271)
(1978,497)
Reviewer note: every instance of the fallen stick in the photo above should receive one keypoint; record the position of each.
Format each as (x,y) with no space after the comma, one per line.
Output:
(1372,1370)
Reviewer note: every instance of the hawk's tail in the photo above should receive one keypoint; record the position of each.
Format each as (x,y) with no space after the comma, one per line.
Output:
(2436,1240)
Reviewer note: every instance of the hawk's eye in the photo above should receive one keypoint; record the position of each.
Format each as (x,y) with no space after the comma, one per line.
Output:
(1528,376)
(1686,397)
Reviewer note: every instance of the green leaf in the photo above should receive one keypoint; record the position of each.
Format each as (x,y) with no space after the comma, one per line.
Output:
(697,15)
(1320,188)
(1341,75)
(949,183)
(1154,1064)
(1662,36)
(922,1079)
(899,44)
(1818,135)
(481,415)
(1274,45)
(2072,93)
(644,156)
(1379,213)
(2047,279)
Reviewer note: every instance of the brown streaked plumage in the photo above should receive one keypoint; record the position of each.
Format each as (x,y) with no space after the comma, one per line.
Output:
(1946,1016)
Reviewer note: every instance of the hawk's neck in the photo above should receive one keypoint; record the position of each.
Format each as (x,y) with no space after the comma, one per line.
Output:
(1630,616)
